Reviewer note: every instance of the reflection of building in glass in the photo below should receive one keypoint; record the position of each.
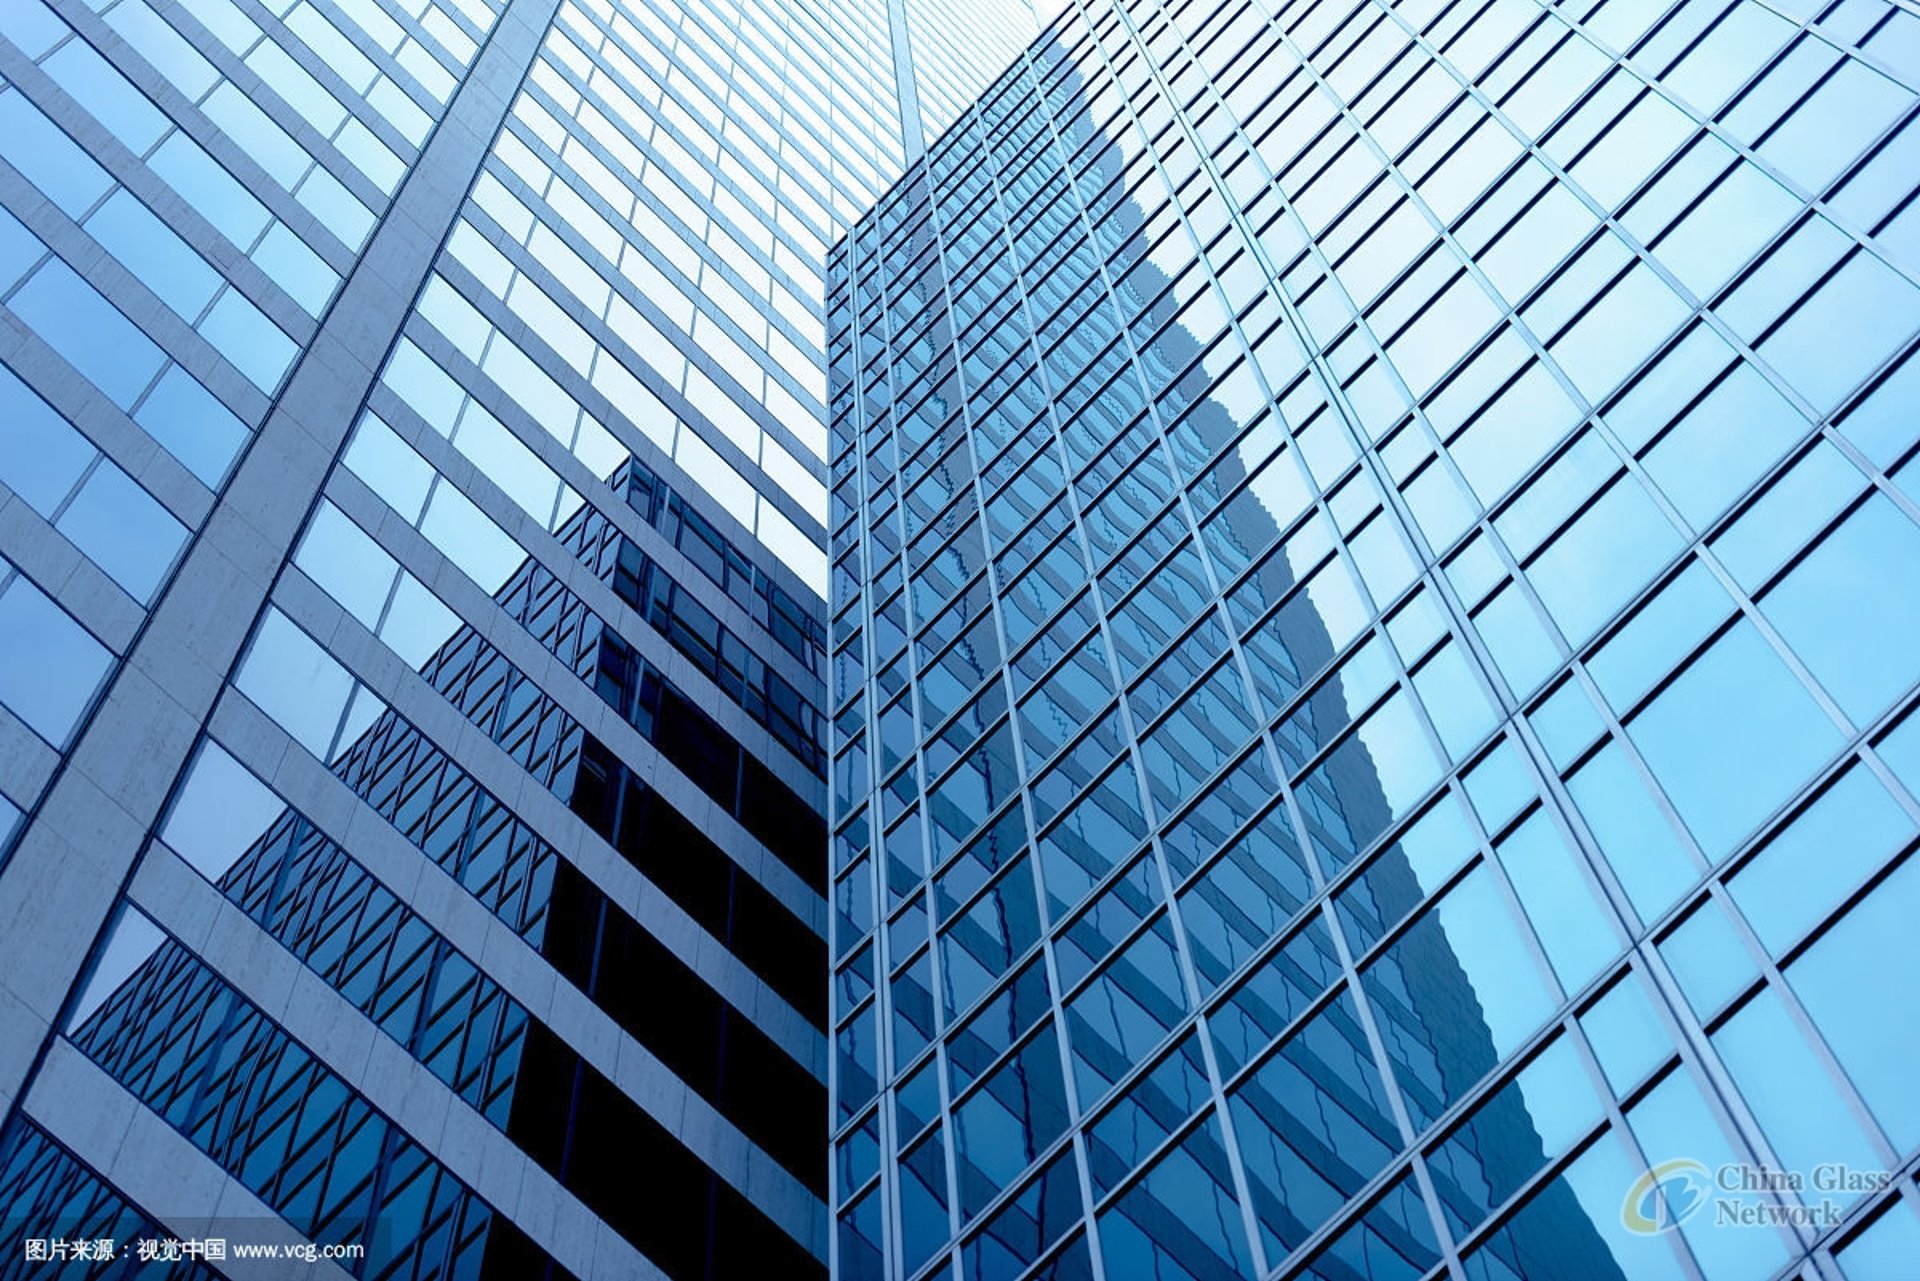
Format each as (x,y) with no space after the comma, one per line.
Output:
(511,1067)
(1371,565)
(412,434)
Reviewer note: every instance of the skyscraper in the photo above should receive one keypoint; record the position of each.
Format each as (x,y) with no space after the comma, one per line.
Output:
(1374,572)
(412,424)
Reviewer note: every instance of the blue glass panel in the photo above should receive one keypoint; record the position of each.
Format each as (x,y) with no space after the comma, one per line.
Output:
(1181,1222)
(1814,489)
(1501,785)
(246,337)
(1128,900)
(296,268)
(1096,832)
(1520,644)
(1277,992)
(1900,749)
(1835,844)
(1850,610)
(1373,777)
(1708,958)
(912,1003)
(1457,992)
(1244,899)
(1152,1108)
(1018,1005)
(88,331)
(1639,843)
(1806,1121)
(1392,1241)
(32,27)
(1723,444)
(1602,559)
(1125,1012)
(1002,1126)
(1731,737)
(1022,1229)
(1575,929)
(1887,1249)
(53,666)
(213,192)
(48,158)
(124,530)
(170,52)
(1878,424)
(1855,319)
(41,456)
(1876,1051)
(1628,1034)
(857,1063)
(1400,877)
(1567,723)
(1313,1126)
(860,1232)
(149,249)
(1574,1223)
(291,678)
(916,1099)
(258,136)
(923,1202)
(193,426)
(126,112)
(1661,633)
(977,949)
(19,249)
(857,1155)
(1512,1134)
(1675,1122)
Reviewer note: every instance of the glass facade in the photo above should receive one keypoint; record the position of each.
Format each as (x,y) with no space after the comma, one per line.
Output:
(412,650)
(1372,683)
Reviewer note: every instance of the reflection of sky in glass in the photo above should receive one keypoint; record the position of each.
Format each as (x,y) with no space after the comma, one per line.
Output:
(131,943)
(1509,423)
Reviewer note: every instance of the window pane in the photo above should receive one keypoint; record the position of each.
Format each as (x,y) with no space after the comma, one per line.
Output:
(124,530)
(1732,737)
(1851,609)
(53,666)
(1875,1045)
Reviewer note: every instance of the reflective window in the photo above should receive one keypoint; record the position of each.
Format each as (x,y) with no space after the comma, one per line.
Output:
(1848,608)
(1731,738)
(1313,1126)
(1181,1220)
(1885,1249)
(53,666)
(124,531)
(1872,1048)
(88,332)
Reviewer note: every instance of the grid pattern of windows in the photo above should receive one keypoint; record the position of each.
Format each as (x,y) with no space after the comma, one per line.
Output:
(956,50)
(412,455)
(667,171)
(48,1186)
(286,1127)
(182,190)
(1372,691)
